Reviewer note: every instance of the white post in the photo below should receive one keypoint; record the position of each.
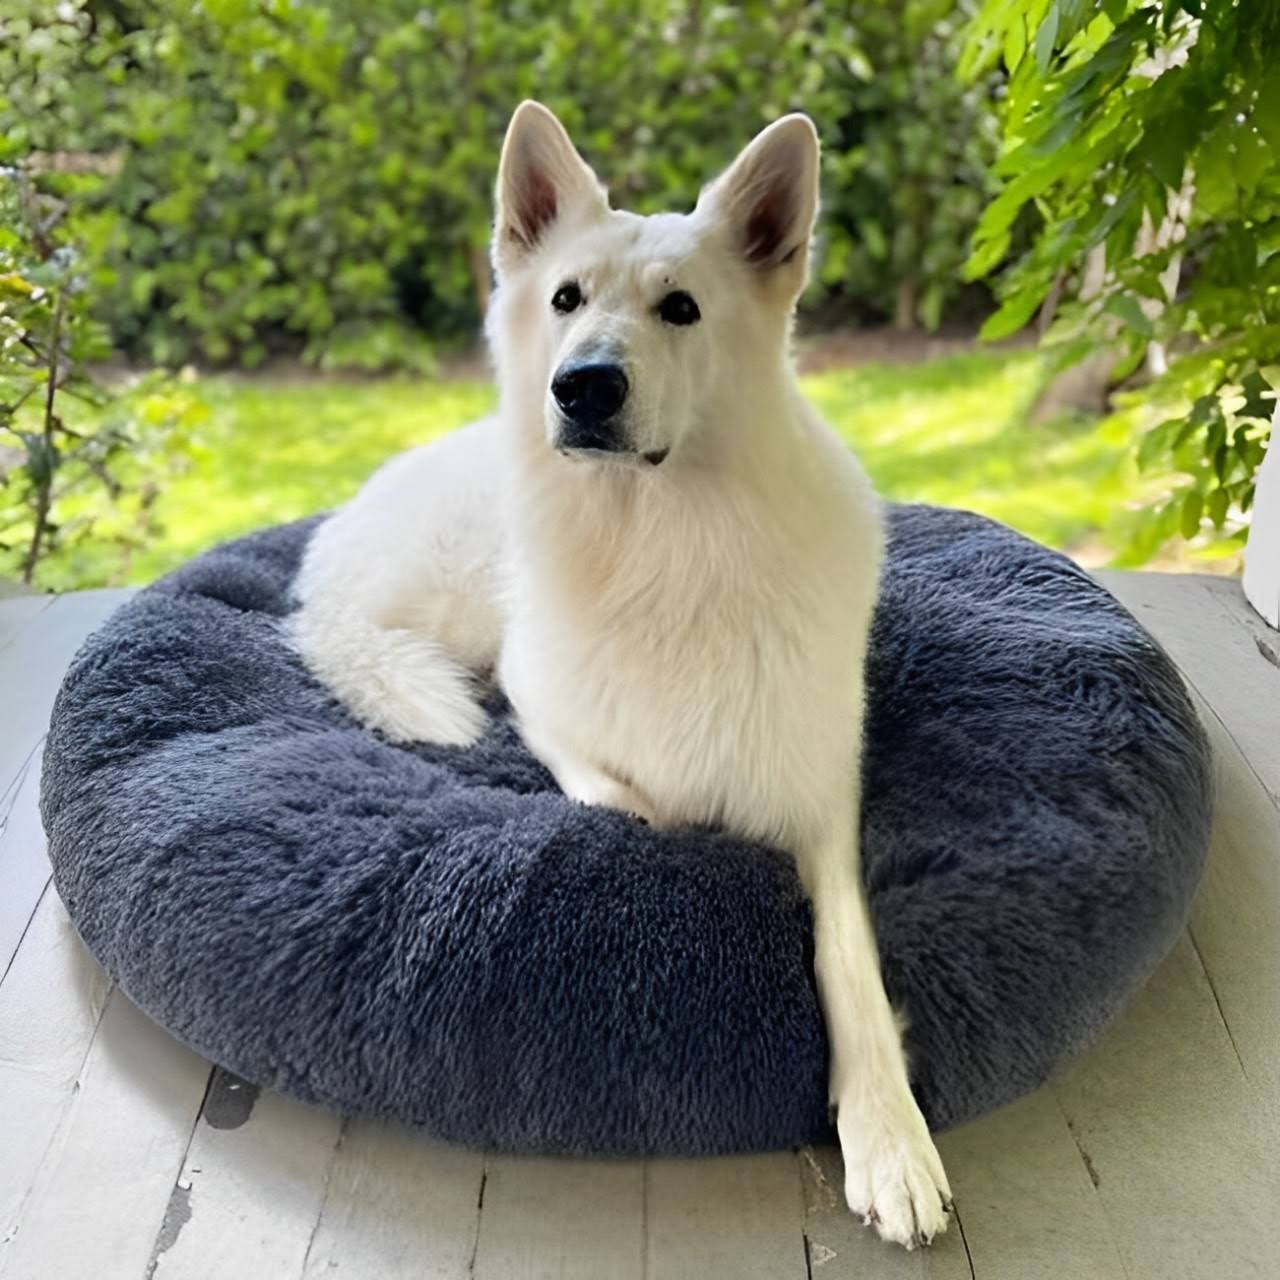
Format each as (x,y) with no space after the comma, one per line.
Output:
(1262,555)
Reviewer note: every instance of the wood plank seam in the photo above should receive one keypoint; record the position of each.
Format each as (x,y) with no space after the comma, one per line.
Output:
(20,796)
(13,639)
(1094,1181)
(9,796)
(27,929)
(64,1119)
(475,1239)
(798,1160)
(1217,1003)
(177,1211)
(644,1220)
(1206,708)
(1233,620)
(1224,600)
(324,1195)
(803,1205)
(811,1174)
(964,1239)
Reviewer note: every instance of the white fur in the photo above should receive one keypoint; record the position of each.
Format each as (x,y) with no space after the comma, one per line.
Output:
(682,641)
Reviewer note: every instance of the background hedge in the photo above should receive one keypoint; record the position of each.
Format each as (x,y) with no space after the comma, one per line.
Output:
(316,177)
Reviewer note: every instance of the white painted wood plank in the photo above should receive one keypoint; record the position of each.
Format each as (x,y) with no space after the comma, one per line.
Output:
(24,864)
(32,667)
(1235,922)
(251,1187)
(1252,654)
(38,637)
(842,1248)
(50,1004)
(1026,1203)
(99,1196)
(1182,1153)
(561,1219)
(95,1107)
(1209,631)
(397,1208)
(725,1219)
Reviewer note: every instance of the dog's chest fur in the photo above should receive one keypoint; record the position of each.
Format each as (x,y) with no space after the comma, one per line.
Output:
(683,639)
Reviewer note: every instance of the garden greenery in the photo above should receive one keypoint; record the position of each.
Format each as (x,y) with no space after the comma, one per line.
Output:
(1142,148)
(316,177)
(76,461)
(228,180)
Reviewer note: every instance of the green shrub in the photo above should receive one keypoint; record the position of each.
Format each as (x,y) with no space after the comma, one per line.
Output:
(908,166)
(76,462)
(288,174)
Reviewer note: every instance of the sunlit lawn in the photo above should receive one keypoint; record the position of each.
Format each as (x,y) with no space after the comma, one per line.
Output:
(953,430)
(956,431)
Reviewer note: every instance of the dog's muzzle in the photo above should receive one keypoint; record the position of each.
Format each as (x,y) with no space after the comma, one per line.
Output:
(590,396)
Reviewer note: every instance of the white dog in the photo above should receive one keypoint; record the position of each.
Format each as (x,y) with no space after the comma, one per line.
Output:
(667,557)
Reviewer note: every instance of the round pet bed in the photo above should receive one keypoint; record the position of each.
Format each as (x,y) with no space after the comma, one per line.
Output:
(439,936)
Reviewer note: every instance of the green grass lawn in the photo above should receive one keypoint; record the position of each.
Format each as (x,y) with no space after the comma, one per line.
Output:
(953,430)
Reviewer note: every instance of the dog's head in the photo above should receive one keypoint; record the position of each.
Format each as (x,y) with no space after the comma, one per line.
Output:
(627,339)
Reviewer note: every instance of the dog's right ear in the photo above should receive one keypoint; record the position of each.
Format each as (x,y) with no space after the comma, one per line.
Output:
(541,179)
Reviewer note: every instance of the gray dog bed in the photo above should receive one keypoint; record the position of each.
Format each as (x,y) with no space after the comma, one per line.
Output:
(441,937)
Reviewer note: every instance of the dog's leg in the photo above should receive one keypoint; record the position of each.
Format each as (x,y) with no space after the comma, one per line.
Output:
(587,784)
(893,1174)
(397,681)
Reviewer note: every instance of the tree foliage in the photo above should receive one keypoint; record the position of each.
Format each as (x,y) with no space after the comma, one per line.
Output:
(1144,136)
(908,165)
(294,175)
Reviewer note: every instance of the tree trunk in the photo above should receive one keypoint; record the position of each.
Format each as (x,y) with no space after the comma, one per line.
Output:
(1083,386)
(904,307)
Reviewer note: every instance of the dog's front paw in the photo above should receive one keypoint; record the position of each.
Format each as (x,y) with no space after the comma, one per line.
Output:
(893,1175)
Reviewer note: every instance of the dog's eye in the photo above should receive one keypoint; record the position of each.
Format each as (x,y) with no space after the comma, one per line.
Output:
(568,297)
(679,307)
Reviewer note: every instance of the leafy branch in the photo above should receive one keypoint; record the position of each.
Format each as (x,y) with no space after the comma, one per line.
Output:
(1141,151)
(60,481)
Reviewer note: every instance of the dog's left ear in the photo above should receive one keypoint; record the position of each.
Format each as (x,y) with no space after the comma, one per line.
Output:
(769,199)
(541,181)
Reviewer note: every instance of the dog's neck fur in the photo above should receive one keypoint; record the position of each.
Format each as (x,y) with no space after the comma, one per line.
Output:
(623,538)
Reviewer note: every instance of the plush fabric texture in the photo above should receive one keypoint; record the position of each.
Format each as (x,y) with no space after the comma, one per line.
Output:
(441,937)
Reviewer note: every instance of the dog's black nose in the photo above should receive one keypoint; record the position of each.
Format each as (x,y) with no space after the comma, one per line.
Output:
(589,394)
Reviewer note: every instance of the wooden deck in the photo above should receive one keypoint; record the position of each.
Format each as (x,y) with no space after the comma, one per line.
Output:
(1156,1154)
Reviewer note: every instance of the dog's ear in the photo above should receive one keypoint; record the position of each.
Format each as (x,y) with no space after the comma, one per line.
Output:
(541,179)
(768,198)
